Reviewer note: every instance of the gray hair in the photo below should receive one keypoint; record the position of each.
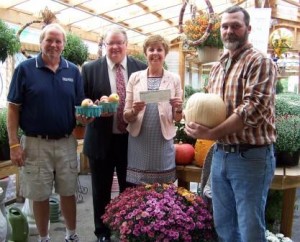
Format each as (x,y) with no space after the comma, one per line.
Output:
(50,27)
(235,9)
(116,30)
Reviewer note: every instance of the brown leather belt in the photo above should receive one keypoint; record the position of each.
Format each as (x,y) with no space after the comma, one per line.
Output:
(233,148)
(48,137)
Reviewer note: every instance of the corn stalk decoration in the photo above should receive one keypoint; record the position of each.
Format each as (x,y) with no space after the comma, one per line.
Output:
(47,17)
(194,10)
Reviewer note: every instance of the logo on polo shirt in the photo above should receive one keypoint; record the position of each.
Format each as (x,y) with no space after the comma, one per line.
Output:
(68,79)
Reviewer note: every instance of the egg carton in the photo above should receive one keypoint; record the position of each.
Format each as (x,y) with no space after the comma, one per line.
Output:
(90,111)
(110,107)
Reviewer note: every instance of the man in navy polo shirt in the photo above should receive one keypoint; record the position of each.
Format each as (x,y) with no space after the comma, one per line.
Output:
(41,100)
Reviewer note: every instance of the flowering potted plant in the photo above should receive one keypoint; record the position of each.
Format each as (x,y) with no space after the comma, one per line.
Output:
(195,28)
(271,237)
(159,212)
(287,145)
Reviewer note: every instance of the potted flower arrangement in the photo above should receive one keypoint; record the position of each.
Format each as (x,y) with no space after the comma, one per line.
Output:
(195,28)
(159,212)
(281,41)
(287,146)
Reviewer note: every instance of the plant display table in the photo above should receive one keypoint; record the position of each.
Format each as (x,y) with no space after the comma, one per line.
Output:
(286,179)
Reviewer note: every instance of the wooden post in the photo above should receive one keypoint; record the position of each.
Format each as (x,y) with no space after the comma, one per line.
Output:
(182,66)
(289,196)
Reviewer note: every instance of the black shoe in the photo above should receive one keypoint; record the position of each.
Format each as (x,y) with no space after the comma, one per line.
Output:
(103,238)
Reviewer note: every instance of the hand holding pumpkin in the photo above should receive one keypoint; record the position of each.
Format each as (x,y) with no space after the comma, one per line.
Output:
(198,131)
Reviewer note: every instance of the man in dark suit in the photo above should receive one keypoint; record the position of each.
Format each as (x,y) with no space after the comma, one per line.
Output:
(105,144)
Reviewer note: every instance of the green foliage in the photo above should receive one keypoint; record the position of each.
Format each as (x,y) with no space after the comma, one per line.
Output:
(181,136)
(189,91)
(141,57)
(3,128)
(288,133)
(287,104)
(273,208)
(75,50)
(9,42)
(287,109)
(279,87)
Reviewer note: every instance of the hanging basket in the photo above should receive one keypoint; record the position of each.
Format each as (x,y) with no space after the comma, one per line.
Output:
(208,54)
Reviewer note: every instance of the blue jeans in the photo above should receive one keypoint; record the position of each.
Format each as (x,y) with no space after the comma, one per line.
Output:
(240,184)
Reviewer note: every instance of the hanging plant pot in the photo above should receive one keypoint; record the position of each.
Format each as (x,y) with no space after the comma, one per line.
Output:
(208,54)
(287,159)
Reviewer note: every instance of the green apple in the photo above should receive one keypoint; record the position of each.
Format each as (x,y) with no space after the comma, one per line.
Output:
(114,98)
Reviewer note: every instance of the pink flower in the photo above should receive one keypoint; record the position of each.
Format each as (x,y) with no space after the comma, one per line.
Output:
(159,212)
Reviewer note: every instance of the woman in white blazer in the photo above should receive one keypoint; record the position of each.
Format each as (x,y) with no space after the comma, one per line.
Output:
(151,152)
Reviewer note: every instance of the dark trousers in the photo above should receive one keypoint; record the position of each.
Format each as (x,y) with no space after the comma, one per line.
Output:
(102,171)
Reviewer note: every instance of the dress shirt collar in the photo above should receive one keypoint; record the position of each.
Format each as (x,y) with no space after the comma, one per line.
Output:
(111,65)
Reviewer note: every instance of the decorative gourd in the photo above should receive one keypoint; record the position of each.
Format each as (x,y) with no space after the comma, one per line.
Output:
(206,109)
(184,154)
(202,147)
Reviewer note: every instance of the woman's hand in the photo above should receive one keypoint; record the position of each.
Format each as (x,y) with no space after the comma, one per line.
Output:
(176,103)
(138,106)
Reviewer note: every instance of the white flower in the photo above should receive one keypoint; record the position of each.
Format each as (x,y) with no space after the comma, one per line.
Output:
(276,237)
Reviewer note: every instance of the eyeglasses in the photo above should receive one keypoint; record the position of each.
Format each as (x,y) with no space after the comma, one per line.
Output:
(118,43)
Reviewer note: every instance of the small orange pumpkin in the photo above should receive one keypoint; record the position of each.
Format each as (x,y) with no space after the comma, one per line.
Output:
(184,154)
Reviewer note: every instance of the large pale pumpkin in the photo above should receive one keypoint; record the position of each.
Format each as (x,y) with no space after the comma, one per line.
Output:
(184,154)
(206,109)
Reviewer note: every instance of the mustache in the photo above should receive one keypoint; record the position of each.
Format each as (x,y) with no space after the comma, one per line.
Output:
(231,38)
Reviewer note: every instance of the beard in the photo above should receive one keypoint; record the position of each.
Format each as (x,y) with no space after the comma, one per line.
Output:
(233,42)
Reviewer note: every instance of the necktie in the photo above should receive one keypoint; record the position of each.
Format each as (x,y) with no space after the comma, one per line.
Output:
(121,90)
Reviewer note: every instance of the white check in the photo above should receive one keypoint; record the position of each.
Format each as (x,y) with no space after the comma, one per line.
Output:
(155,96)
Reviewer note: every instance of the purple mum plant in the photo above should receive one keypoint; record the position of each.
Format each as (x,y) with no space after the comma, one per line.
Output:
(159,212)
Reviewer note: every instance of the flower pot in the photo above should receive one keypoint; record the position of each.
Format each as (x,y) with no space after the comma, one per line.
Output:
(287,159)
(208,54)
(78,132)
(4,152)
